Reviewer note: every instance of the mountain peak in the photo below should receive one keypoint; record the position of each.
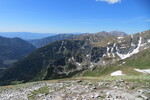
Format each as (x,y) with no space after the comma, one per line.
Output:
(118,33)
(103,33)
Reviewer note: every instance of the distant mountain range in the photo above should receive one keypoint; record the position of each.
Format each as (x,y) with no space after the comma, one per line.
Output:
(13,49)
(26,35)
(31,36)
(44,41)
(65,58)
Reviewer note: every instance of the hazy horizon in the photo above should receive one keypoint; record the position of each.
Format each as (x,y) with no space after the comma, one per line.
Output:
(73,32)
(74,16)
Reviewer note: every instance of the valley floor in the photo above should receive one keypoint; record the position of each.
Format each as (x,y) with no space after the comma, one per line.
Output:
(83,88)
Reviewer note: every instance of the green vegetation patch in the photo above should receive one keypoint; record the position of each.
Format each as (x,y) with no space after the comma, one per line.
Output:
(140,60)
(106,71)
(43,90)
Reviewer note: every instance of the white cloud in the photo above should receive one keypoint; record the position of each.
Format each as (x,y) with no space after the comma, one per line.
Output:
(110,1)
(148,20)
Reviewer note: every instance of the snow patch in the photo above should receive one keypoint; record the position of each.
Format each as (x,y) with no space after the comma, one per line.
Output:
(120,37)
(69,59)
(119,41)
(108,42)
(117,73)
(143,70)
(108,52)
(104,55)
(91,65)
(132,45)
(124,56)
(113,55)
(73,59)
(132,36)
(123,62)
(108,55)
(149,41)
(143,44)
(88,55)
(113,50)
(83,48)
(104,62)
(122,47)
(78,64)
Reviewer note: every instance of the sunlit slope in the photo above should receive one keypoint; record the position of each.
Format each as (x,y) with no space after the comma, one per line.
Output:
(139,61)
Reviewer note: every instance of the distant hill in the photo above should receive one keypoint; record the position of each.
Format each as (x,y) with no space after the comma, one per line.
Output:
(12,49)
(29,35)
(44,41)
(26,35)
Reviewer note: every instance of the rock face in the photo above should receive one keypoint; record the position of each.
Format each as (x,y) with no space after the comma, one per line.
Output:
(67,57)
(44,41)
(12,49)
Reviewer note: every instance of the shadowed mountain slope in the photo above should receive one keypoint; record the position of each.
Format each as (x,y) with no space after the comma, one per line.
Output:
(12,49)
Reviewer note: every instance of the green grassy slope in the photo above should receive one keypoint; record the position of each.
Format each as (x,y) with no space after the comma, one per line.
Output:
(140,61)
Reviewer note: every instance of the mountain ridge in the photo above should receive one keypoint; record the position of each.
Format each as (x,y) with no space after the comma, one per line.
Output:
(44,41)
(61,58)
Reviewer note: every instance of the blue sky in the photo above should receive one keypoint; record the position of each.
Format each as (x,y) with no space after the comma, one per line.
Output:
(69,16)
